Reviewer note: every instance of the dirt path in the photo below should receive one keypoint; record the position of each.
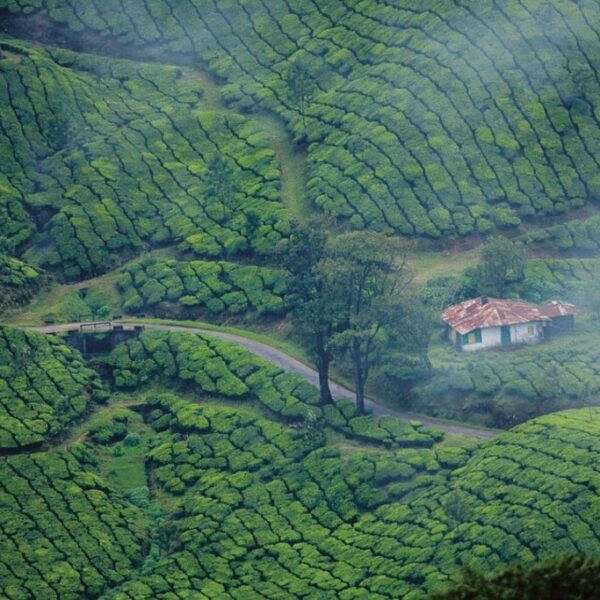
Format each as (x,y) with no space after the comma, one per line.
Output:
(290,364)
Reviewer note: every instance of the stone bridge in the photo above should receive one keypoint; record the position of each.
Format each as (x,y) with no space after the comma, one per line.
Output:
(99,337)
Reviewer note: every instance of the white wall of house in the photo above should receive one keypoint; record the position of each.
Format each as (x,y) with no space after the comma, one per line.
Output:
(490,337)
(527,333)
(523,333)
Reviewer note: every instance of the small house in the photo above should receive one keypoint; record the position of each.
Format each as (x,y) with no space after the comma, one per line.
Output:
(489,322)
(561,315)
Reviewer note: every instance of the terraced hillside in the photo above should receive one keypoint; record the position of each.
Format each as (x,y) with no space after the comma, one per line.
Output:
(209,494)
(44,387)
(219,287)
(480,114)
(153,157)
(103,158)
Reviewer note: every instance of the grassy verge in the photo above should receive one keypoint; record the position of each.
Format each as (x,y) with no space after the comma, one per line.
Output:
(271,338)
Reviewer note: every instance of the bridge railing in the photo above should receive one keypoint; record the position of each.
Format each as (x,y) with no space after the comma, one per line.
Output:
(97,327)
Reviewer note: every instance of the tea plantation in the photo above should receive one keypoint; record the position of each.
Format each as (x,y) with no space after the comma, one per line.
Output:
(226,369)
(44,386)
(202,495)
(71,130)
(479,115)
(508,388)
(66,533)
(157,159)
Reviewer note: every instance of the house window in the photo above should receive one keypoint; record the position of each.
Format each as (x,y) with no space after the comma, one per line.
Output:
(474,337)
(530,330)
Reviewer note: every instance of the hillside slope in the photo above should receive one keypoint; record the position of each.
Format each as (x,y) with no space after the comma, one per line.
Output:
(478,114)
(209,494)
(103,158)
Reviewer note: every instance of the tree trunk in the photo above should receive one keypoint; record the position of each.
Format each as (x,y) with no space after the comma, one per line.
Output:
(323,369)
(359,381)
(427,362)
(360,397)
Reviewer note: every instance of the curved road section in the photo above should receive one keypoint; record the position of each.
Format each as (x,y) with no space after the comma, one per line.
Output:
(290,364)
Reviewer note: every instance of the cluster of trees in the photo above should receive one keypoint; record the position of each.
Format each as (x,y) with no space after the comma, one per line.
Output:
(225,369)
(44,386)
(205,178)
(575,577)
(350,295)
(514,135)
(219,287)
(85,304)
(66,533)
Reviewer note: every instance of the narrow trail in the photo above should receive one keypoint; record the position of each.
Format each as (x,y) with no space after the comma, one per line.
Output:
(292,365)
(292,161)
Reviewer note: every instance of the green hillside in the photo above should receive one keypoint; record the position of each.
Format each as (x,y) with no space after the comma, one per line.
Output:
(44,387)
(479,115)
(213,171)
(204,496)
(111,157)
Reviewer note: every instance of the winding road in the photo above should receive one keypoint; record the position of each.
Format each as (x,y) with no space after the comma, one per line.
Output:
(290,364)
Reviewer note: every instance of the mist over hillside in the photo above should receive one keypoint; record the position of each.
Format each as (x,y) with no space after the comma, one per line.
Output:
(299,298)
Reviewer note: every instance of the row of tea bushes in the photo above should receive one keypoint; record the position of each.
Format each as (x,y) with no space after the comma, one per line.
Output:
(579,236)
(115,156)
(18,281)
(225,369)
(219,287)
(564,278)
(44,386)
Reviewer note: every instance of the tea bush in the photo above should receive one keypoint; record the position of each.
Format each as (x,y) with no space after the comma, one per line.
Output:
(18,281)
(225,369)
(44,386)
(218,287)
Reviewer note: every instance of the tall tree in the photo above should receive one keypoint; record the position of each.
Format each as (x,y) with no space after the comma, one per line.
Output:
(503,263)
(312,311)
(365,281)
(301,85)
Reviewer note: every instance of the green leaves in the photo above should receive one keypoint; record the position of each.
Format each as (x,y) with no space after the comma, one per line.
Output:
(219,287)
(123,170)
(503,264)
(44,386)
(18,281)
(66,533)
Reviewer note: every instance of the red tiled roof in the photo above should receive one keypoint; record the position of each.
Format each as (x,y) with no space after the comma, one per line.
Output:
(490,312)
(556,308)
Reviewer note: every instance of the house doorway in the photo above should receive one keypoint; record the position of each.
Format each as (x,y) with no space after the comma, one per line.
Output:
(505,335)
